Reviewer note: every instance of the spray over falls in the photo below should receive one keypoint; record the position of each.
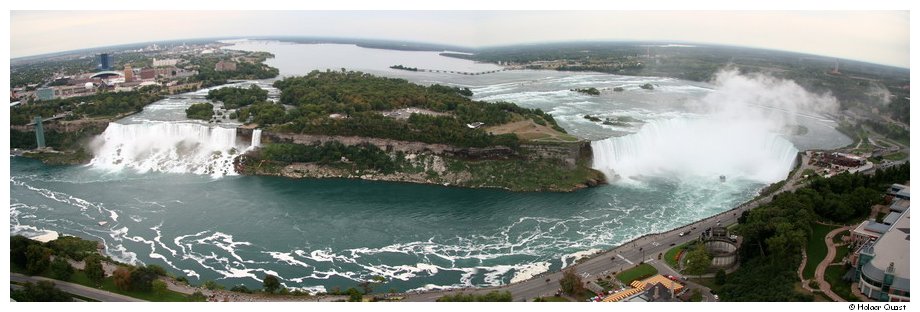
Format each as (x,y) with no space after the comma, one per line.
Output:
(167,147)
(733,134)
(696,147)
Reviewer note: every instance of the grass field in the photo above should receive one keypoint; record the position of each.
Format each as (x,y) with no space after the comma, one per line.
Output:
(834,276)
(816,250)
(670,257)
(642,271)
(841,252)
(895,156)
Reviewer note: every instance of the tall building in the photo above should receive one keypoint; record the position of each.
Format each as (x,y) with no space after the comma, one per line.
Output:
(105,61)
(129,73)
(883,266)
(148,73)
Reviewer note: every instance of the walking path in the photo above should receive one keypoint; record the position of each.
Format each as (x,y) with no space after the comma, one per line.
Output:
(802,269)
(831,253)
(76,289)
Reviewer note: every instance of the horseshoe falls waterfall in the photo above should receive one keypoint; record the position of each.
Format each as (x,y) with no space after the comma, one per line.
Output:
(696,147)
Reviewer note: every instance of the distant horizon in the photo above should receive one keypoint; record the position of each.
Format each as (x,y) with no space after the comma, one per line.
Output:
(472,48)
(877,37)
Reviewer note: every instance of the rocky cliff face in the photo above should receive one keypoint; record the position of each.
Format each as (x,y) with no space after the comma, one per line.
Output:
(566,154)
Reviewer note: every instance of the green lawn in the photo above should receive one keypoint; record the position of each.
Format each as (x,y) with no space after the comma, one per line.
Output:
(642,271)
(841,252)
(834,276)
(670,257)
(816,250)
(895,156)
(169,296)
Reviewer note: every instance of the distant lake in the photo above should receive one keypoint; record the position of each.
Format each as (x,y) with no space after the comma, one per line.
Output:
(297,59)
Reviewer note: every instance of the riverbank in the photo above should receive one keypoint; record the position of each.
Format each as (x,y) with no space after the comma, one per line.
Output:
(645,248)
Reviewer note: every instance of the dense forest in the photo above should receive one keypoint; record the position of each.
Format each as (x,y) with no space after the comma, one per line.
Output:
(98,105)
(774,234)
(39,72)
(244,70)
(361,98)
(364,156)
(200,111)
(238,97)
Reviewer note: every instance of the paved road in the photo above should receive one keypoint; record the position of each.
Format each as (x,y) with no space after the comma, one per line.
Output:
(645,248)
(831,253)
(76,289)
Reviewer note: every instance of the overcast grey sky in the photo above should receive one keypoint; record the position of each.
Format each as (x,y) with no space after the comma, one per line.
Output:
(873,36)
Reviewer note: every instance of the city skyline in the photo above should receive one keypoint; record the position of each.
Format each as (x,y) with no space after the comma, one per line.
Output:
(840,34)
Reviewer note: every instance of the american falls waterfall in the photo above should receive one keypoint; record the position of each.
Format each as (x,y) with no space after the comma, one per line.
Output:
(167,147)
(687,147)
(256,138)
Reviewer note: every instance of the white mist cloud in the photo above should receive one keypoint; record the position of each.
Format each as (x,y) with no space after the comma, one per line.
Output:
(760,98)
(736,134)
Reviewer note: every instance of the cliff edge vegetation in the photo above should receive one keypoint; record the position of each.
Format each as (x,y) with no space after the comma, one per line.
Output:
(356,125)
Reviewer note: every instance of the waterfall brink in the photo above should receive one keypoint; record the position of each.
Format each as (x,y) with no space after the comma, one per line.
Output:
(256,138)
(167,147)
(702,147)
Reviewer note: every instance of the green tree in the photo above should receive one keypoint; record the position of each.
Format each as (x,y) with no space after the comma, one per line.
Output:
(720,277)
(142,278)
(159,287)
(571,283)
(197,296)
(492,296)
(696,296)
(698,261)
(43,291)
(238,97)
(201,111)
(354,295)
(18,246)
(61,269)
(37,259)
(72,247)
(94,270)
(270,283)
(212,285)
(122,278)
